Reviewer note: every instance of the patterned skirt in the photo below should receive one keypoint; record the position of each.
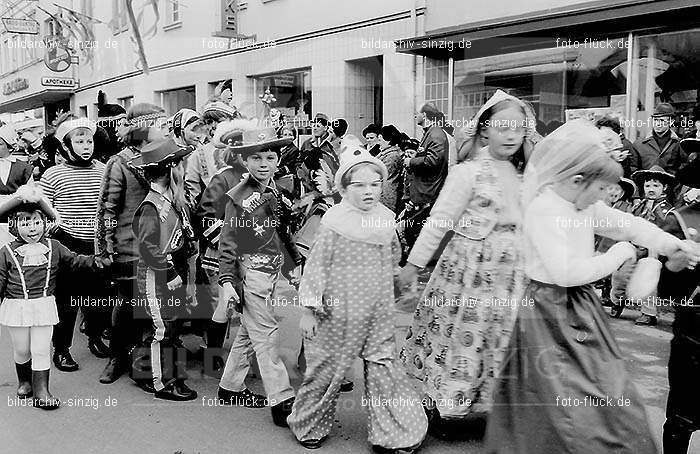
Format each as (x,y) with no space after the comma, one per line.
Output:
(462,325)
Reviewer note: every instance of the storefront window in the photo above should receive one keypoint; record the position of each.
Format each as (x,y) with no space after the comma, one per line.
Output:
(437,83)
(174,100)
(561,83)
(666,69)
(292,91)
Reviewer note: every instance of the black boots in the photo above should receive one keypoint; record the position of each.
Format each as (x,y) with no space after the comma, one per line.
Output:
(98,348)
(244,398)
(64,361)
(42,396)
(114,369)
(24,376)
(281,411)
(177,390)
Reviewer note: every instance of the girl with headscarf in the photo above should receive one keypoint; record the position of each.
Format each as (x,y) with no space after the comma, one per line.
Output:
(565,387)
(464,319)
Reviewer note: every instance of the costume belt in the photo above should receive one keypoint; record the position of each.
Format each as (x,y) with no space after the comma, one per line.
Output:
(263,262)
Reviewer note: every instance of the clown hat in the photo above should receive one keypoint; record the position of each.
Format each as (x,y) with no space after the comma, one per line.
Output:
(160,152)
(352,157)
(656,172)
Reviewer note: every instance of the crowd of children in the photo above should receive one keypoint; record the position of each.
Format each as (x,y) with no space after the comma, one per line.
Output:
(201,220)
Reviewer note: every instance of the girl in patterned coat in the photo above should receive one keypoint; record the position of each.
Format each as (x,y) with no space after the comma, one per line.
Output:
(463,322)
(347,292)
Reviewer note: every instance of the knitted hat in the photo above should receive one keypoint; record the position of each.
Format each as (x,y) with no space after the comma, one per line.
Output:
(218,107)
(352,157)
(654,173)
(67,126)
(182,119)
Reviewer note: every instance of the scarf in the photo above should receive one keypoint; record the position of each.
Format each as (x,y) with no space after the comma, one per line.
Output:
(376,226)
(33,254)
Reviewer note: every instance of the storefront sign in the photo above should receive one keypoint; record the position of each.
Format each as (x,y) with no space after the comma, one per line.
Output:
(57,57)
(62,82)
(21,26)
(14,86)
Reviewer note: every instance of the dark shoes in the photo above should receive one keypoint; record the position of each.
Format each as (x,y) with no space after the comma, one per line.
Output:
(381,450)
(346,386)
(146,386)
(646,320)
(243,398)
(112,372)
(64,362)
(98,348)
(24,376)
(176,391)
(42,397)
(312,444)
(616,310)
(281,411)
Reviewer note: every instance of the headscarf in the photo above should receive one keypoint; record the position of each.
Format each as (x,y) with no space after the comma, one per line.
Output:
(181,120)
(468,136)
(570,150)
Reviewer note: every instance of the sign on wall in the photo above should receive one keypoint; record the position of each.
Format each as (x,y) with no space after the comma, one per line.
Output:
(21,26)
(57,56)
(62,82)
(15,85)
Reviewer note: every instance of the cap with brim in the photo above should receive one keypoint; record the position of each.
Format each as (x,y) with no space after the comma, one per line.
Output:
(27,198)
(628,187)
(663,109)
(352,157)
(690,145)
(257,140)
(653,173)
(68,126)
(160,152)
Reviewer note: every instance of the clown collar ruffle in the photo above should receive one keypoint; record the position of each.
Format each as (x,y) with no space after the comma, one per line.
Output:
(376,226)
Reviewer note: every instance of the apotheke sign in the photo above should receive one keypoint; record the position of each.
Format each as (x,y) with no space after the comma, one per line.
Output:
(62,82)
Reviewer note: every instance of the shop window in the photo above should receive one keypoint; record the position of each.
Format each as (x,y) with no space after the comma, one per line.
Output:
(666,69)
(561,83)
(437,83)
(174,100)
(292,91)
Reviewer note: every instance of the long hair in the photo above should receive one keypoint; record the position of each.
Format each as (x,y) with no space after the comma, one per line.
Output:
(175,181)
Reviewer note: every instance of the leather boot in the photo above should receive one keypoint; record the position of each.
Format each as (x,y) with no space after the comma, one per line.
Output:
(98,348)
(24,376)
(42,396)
(113,371)
(281,411)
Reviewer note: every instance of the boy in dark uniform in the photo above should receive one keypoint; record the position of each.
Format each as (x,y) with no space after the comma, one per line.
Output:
(655,184)
(165,241)
(255,247)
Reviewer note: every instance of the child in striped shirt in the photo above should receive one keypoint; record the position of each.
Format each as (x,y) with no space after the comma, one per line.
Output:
(73,189)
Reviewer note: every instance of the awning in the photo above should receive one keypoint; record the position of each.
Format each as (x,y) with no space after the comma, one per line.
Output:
(35,100)
(607,19)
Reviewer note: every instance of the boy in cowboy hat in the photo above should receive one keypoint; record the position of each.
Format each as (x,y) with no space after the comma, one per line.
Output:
(165,241)
(255,247)
(654,206)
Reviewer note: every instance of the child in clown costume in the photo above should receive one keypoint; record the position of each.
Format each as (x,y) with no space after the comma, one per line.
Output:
(28,269)
(347,292)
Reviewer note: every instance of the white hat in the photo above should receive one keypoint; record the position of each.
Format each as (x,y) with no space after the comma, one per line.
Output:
(353,156)
(8,134)
(71,125)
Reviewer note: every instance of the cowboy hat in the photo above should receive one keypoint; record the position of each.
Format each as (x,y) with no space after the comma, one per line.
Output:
(690,145)
(628,187)
(160,152)
(257,140)
(655,172)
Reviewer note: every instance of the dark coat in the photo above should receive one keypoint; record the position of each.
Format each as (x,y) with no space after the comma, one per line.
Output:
(428,169)
(646,153)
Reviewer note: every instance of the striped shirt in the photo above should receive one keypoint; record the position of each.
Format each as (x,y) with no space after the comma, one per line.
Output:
(74,192)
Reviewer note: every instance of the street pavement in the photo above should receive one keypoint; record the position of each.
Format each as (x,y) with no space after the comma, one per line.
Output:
(120,418)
